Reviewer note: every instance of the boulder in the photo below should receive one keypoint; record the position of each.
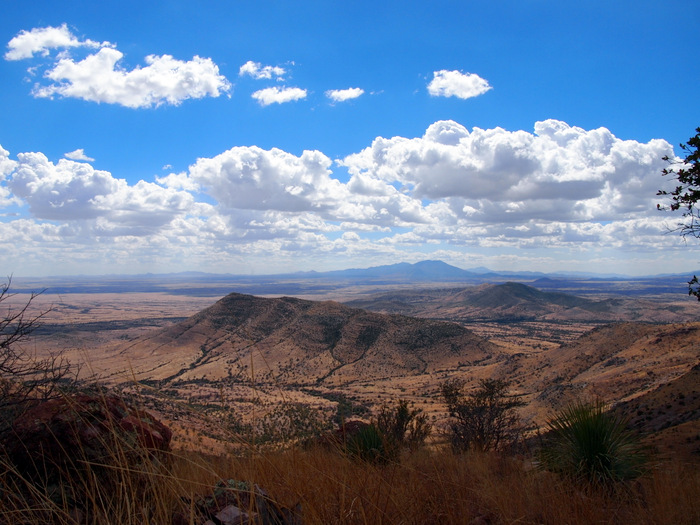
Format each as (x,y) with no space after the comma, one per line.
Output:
(59,437)
(235,502)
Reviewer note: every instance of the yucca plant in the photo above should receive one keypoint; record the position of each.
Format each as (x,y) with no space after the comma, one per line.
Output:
(369,444)
(590,444)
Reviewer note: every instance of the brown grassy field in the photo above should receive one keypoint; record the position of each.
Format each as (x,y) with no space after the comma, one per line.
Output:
(430,486)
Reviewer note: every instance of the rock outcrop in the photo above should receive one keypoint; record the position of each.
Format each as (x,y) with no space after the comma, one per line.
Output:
(63,437)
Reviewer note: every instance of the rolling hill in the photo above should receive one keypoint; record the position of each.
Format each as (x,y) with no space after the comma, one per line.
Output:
(301,342)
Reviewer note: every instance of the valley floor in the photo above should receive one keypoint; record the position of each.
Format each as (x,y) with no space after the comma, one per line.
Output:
(547,362)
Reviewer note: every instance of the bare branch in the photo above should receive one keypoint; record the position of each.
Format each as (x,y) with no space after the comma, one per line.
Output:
(23,375)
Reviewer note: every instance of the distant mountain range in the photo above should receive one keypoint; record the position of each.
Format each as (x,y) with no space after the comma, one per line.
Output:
(421,271)
(310,283)
(428,270)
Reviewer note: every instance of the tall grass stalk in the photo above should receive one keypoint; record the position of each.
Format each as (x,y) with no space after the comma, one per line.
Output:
(428,486)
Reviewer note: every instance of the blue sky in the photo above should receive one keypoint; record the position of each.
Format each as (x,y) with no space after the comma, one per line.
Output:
(264,137)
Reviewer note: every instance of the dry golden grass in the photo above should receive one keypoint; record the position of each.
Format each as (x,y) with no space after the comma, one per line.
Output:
(425,487)
(439,487)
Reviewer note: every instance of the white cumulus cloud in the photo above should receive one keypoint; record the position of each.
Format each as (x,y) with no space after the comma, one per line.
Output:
(78,154)
(7,166)
(99,77)
(164,79)
(75,191)
(41,39)
(341,95)
(457,84)
(560,172)
(253,178)
(258,71)
(275,95)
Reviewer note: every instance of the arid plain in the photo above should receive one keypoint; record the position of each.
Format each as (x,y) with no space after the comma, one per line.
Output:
(201,357)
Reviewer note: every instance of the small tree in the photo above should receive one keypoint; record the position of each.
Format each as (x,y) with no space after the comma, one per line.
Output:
(686,195)
(484,420)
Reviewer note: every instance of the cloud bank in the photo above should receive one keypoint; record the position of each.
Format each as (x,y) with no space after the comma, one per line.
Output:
(451,191)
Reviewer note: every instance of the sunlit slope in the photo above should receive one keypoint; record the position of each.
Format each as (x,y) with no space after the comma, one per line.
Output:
(301,342)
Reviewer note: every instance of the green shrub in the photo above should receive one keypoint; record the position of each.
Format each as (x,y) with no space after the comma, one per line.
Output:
(347,408)
(591,445)
(369,445)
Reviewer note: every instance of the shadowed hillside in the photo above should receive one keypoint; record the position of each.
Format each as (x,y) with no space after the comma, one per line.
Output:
(671,414)
(512,295)
(618,363)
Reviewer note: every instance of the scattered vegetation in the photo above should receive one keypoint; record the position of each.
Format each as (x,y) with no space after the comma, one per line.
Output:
(289,423)
(24,376)
(347,408)
(429,486)
(323,485)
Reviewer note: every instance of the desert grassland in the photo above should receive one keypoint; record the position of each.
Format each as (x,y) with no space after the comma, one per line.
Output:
(436,486)
(431,485)
(428,486)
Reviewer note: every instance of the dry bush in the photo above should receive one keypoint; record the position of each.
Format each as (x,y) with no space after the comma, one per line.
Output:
(403,426)
(485,419)
(23,375)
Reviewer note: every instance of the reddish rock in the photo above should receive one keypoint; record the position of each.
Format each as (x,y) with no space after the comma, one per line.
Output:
(57,437)
(151,433)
